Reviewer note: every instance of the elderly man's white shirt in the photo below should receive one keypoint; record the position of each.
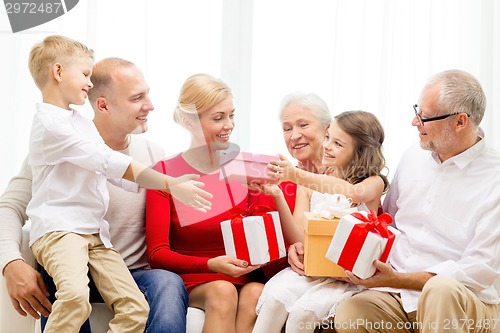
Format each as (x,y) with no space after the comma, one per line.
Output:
(448,214)
(70,164)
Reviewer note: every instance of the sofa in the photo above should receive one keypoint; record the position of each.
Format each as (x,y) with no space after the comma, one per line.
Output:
(12,322)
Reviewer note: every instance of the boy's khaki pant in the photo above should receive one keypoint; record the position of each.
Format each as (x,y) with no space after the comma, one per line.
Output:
(374,311)
(67,257)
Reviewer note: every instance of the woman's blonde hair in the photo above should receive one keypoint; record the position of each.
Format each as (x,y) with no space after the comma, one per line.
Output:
(199,93)
(51,50)
(368,135)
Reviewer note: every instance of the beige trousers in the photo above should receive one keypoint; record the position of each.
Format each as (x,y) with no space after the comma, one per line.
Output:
(444,306)
(67,257)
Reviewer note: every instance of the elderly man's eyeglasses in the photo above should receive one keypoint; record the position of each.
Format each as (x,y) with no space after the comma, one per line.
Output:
(425,120)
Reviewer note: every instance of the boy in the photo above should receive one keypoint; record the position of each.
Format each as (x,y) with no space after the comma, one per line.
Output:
(70,165)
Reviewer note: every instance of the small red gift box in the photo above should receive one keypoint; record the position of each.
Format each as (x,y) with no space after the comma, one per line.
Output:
(247,168)
(256,239)
(359,240)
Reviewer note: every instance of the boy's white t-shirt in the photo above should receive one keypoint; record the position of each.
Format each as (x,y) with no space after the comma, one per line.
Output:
(70,164)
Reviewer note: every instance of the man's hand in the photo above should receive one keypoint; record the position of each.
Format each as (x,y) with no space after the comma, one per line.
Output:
(385,277)
(27,290)
(388,277)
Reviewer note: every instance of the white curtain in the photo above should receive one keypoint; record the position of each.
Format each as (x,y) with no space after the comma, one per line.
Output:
(373,55)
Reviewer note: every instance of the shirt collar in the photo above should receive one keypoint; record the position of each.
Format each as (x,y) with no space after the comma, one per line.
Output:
(464,158)
(52,107)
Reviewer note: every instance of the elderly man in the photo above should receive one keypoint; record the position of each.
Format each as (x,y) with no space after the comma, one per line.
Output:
(445,200)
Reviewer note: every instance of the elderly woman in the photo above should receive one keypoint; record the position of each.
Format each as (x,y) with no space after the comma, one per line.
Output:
(185,241)
(304,118)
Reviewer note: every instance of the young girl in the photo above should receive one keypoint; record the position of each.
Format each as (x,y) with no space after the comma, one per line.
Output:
(353,151)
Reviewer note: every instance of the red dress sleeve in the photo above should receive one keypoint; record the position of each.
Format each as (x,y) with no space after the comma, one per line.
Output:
(159,207)
(289,190)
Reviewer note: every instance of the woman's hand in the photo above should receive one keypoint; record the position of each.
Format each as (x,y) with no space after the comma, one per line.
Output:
(230,266)
(190,192)
(296,257)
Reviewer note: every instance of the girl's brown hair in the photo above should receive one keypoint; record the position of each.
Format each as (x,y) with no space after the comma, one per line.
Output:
(368,135)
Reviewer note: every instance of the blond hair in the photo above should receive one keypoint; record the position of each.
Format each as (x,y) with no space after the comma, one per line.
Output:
(199,93)
(51,50)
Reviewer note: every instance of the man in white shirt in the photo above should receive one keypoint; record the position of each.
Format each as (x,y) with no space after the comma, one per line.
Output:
(120,99)
(445,200)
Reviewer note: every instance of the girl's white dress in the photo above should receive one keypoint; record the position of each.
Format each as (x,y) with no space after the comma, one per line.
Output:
(320,295)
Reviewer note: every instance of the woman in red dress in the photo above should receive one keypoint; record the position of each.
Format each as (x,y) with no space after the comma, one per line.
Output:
(188,242)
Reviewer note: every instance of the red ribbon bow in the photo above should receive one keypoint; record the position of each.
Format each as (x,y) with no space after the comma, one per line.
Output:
(237,214)
(372,221)
(253,210)
(358,235)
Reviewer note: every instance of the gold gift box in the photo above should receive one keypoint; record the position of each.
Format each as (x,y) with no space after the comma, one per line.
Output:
(318,233)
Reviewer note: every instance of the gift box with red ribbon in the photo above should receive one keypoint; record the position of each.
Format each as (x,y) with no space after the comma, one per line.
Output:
(247,168)
(359,240)
(319,227)
(254,235)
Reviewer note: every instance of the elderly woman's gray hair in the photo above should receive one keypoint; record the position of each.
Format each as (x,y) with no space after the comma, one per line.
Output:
(308,101)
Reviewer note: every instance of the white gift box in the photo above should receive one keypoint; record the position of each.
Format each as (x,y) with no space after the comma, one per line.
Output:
(355,247)
(252,231)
